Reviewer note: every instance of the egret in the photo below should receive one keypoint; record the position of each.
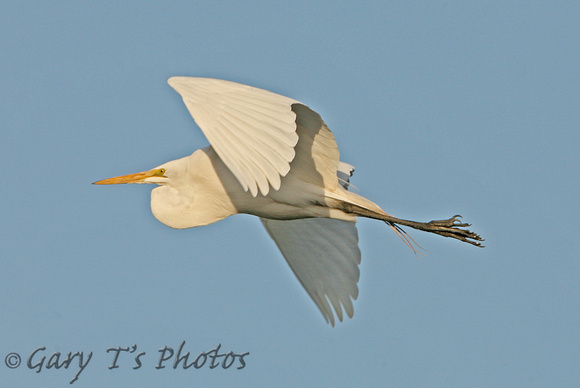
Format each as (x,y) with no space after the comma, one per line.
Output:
(275,158)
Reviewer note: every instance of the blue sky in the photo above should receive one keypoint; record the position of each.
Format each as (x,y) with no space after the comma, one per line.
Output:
(443,107)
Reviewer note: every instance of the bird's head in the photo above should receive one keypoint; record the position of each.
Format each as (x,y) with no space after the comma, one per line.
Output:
(173,202)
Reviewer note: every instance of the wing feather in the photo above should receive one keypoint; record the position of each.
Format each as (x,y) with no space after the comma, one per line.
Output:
(324,255)
(252,130)
(316,151)
(263,134)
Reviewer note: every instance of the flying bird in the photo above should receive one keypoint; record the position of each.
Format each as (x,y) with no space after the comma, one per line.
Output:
(273,157)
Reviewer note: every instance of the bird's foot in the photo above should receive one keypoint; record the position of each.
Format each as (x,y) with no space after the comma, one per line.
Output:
(451,228)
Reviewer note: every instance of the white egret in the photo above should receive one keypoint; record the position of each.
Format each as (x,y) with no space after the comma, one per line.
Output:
(273,157)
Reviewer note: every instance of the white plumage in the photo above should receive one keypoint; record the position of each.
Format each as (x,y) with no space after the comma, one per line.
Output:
(275,158)
(252,130)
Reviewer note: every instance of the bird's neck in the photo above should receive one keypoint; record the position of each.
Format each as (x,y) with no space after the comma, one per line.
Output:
(200,199)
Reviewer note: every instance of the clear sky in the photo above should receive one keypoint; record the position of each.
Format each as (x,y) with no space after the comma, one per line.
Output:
(443,107)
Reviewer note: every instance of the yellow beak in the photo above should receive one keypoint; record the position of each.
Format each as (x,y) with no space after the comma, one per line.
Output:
(131,178)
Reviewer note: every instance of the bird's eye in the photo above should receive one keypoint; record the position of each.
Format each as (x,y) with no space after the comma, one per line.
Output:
(158,172)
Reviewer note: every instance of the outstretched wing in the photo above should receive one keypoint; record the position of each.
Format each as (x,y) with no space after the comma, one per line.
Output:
(252,130)
(324,255)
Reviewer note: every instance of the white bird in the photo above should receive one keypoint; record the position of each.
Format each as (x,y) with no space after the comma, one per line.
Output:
(273,157)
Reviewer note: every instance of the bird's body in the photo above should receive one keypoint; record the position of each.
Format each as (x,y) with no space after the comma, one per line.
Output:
(212,193)
(275,158)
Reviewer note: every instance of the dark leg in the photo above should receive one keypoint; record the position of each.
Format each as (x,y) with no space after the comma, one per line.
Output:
(446,228)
